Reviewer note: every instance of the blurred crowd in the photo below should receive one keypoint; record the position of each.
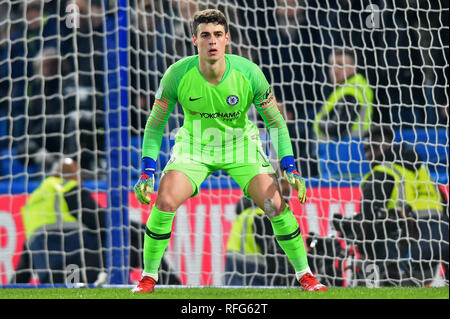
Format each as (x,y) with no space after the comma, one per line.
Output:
(53,82)
(53,77)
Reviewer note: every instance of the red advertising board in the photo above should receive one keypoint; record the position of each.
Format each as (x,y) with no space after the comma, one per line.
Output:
(201,227)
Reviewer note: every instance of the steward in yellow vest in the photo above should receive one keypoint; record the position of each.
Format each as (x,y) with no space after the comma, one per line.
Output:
(402,221)
(348,110)
(46,208)
(63,226)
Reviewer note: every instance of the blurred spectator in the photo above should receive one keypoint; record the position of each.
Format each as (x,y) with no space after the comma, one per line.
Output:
(33,31)
(357,24)
(50,132)
(82,47)
(402,226)
(69,232)
(348,110)
(253,256)
(344,117)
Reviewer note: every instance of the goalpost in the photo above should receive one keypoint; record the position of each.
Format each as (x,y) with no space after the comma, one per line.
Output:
(78,79)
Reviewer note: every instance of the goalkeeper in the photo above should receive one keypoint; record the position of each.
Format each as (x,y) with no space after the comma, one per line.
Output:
(216,90)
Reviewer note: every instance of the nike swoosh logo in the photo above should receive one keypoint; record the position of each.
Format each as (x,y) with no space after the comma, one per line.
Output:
(198,98)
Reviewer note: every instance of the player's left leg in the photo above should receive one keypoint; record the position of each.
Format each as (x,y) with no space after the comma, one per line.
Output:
(265,191)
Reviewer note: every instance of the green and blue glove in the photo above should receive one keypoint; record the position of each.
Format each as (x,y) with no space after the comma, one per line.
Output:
(293,177)
(145,184)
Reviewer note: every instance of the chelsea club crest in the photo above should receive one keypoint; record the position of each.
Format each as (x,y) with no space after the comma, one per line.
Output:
(232,100)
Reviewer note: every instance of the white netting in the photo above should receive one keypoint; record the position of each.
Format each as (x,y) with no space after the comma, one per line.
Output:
(400,47)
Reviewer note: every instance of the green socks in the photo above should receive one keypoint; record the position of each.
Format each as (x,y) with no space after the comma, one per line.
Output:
(157,237)
(287,233)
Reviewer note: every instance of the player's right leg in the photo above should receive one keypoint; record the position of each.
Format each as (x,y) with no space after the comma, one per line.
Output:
(182,178)
(175,188)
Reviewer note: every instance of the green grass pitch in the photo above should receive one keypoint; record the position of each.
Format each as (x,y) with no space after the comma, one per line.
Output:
(228,293)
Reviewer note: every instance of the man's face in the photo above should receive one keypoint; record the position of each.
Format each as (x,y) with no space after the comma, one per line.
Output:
(211,41)
(341,68)
(33,18)
(49,67)
(289,8)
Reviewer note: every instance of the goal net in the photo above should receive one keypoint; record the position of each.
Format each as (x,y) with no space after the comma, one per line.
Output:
(78,80)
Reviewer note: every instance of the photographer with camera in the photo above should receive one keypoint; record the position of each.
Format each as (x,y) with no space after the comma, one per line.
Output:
(402,226)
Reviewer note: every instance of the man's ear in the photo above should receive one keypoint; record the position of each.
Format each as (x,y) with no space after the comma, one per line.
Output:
(194,39)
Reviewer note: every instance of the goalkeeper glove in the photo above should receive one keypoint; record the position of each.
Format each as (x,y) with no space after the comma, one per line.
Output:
(146,182)
(293,177)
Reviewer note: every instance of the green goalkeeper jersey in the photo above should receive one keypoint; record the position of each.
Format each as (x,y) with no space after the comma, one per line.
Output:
(215,115)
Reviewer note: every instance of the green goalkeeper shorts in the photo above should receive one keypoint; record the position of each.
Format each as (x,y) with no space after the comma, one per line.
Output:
(242,161)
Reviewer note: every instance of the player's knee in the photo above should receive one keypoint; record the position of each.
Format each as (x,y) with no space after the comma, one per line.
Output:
(272,209)
(166,204)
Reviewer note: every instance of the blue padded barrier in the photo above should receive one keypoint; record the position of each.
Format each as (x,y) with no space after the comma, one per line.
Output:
(342,160)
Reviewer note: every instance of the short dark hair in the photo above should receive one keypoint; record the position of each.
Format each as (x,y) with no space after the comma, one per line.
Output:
(208,16)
